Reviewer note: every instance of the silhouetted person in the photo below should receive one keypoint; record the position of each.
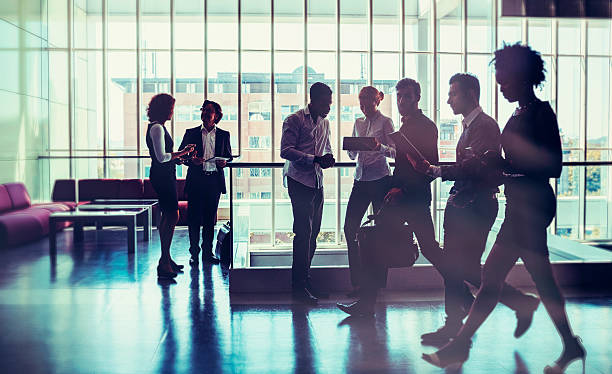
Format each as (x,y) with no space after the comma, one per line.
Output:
(532,149)
(372,175)
(205,180)
(306,146)
(163,176)
(470,212)
(409,199)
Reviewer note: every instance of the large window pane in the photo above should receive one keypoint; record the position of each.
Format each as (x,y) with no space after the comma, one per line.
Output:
(508,31)
(322,68)
(449,125)
(354,74)
(598,42)
(57,23)
(568,110)
(288,25)
(189,24)
(539,35)
(155,24)
(480,67)
(189,92)
(449,26)
(417,26)
(87,24)
(571,36)
(155,73)
(420,68)
(568,218)
(386,32)
(288,91)
(598,102)
(88,106)
(354,25)
(257,118)
(255,24)
(385,74)
(121,100)
(223,88)
(121,28)
(479,31)
(322,25)
(222,24)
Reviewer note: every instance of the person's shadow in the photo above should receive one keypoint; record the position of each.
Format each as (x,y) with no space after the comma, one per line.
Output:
(367,349)
(520,366)
(168,347)
(204,345)
(303,353)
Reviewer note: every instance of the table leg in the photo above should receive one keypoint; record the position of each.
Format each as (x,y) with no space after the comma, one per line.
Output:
(52,237)
(78,232)
(131,234)
(147,225)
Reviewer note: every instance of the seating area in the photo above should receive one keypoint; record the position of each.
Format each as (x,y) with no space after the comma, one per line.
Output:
(20,220)
(129,189)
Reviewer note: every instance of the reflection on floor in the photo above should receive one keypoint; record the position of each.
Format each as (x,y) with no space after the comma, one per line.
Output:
(98,310)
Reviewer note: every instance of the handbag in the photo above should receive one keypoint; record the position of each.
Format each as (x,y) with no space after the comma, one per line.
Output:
(386,245)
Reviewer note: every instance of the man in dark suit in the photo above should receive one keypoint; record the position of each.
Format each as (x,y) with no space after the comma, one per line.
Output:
(409,199)
(205,179)
(470,212)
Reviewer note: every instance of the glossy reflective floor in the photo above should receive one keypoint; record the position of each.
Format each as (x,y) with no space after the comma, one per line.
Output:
(98,310)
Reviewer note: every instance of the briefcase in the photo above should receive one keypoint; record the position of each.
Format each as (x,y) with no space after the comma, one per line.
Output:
(389,246)
(223,247)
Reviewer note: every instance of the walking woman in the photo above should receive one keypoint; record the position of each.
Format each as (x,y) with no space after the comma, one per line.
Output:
(532,149)
(372,175)
(163,177)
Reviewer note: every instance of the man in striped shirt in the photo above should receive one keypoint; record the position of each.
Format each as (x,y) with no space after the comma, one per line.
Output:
(306,147)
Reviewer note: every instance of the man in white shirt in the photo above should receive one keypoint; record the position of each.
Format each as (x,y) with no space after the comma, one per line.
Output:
(306,146)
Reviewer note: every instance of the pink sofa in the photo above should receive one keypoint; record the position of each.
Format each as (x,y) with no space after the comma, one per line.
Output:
(20,220)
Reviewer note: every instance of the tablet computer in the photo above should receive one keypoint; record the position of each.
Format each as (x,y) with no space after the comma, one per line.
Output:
(362,143)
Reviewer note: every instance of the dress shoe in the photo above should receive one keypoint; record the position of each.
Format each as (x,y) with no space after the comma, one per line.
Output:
(165,271)
(443,334)
(176,267)
(210,258)
(571,352)
(451,356)
(524,317)
(304,296)
(357,308)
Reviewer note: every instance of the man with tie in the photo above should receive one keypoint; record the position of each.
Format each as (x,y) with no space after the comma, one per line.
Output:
(470,212)
(205,179)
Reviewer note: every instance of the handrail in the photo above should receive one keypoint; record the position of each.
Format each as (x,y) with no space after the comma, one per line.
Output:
(281,164)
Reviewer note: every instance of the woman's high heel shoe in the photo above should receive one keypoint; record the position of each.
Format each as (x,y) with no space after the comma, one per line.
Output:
(165,272)
(569,355)
(451,356)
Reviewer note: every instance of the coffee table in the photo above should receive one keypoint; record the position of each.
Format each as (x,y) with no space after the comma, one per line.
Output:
(147,213)
(150,202)
(82,217)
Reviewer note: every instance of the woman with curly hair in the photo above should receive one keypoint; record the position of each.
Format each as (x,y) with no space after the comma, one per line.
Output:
(163,177)
(532,148)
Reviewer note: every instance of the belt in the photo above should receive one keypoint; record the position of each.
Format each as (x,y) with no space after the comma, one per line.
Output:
(210,172)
